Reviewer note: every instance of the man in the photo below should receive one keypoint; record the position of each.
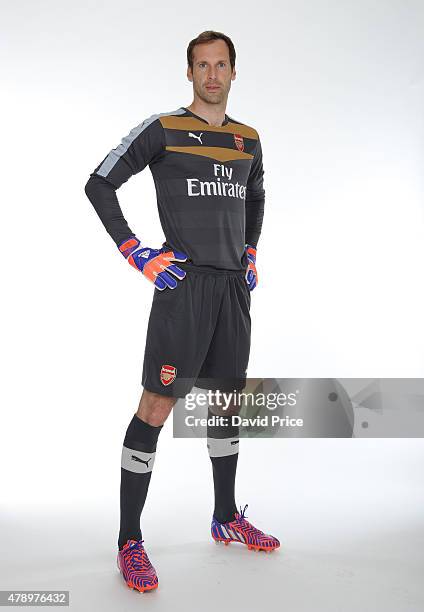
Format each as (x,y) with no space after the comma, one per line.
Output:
(207,169)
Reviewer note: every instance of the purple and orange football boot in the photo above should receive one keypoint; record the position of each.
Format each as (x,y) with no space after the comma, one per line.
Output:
(240,530)
(135,567)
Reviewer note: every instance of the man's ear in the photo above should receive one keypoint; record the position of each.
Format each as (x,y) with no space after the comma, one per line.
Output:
(233,76)
(189,73)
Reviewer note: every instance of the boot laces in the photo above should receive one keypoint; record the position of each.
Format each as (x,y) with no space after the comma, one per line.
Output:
(241,518)
(137,554)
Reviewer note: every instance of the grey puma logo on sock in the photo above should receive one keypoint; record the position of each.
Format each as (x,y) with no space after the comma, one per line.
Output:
(135,458)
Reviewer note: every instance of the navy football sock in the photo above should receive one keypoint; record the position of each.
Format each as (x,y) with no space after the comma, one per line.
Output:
(138,455)
(223,445)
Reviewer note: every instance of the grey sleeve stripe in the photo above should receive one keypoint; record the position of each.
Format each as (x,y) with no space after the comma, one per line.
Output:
(222,447)
(116,154)
(137,461)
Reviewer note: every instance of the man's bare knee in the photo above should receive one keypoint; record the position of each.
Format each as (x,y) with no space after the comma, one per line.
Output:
(154,408)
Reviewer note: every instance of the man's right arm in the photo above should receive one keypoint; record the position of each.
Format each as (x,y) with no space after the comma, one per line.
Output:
(139,148)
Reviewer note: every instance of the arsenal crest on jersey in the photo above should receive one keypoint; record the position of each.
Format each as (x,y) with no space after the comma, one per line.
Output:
(167,374)
(239,142)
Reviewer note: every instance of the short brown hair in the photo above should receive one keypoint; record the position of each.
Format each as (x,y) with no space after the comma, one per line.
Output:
(208,36)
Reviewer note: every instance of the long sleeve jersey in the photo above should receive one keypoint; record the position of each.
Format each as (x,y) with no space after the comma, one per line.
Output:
(208,180)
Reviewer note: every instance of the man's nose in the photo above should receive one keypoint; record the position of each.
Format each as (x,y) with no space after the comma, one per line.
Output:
(212,74)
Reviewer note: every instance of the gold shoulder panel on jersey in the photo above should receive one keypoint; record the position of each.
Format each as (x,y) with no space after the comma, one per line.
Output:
(172,122)
(220,153)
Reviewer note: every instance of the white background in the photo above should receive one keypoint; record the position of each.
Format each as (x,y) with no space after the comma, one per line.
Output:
(336,92)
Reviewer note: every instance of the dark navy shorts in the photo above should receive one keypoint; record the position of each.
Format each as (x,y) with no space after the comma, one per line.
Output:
(199,333)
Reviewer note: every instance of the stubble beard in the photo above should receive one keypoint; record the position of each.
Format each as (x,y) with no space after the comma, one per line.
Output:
(217,97)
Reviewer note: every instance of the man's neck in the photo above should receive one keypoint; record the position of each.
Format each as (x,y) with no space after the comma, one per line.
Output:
(214,114)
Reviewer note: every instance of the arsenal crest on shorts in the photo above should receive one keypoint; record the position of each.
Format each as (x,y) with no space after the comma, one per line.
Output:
(167,374)
(239,142)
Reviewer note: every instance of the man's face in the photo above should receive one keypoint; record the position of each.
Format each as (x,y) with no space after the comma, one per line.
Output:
(211,74)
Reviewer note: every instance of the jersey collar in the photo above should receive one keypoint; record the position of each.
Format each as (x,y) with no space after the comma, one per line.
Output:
(226,119)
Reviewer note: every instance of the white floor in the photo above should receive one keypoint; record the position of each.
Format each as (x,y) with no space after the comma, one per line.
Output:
(349,514)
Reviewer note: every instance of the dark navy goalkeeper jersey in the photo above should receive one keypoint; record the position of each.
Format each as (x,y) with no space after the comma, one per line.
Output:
(208,179)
